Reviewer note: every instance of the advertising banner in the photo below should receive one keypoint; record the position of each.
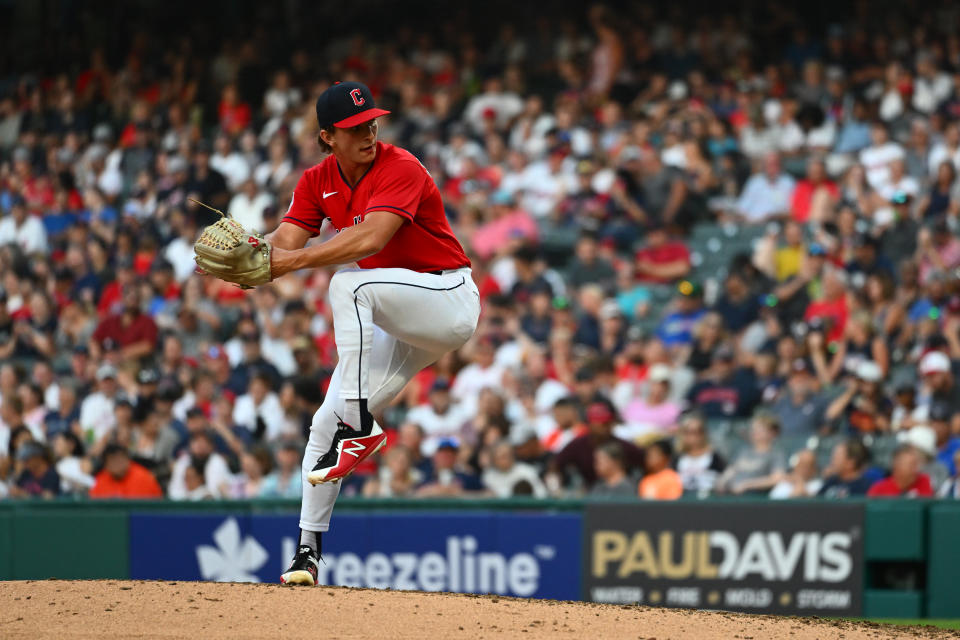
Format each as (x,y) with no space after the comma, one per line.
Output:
(535,555)
(802,558)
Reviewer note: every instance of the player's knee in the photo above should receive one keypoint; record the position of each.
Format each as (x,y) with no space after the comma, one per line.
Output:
(342,285)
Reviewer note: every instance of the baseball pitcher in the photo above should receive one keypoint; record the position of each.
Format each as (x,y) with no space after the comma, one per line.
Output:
(411,300)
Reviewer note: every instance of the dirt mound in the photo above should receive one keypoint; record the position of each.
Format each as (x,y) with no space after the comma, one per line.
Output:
(115,608)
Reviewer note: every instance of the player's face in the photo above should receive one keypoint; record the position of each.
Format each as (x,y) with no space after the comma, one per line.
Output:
(357,144)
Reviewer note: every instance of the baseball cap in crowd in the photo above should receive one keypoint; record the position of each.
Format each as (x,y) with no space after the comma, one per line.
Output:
(869,371)
(934,362)
(106,371)
(659,373)
(921,437)
(900,197)
(440,384)
(600,412)
(346,104)
(610,309)
(29,450)
(502,197)
(816,249)
(148,376)
(690,289)
(448,443)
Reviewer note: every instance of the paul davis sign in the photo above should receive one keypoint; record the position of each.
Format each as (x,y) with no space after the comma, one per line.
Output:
(802,558)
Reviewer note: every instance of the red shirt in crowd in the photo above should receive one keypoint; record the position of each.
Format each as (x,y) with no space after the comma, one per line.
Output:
(665,254)
(833,313)
(395,182)
(888,488)
(138,483)
(141,327)
(803,196)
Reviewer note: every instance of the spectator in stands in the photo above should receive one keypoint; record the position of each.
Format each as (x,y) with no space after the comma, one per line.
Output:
(568,425)
(397,477)
(726,390)
(761,466)
(862,407)
(440,417)
(38,478)
(676,328)
(905,479)
(200,471)
(662,260)
(659,481)
(71,465)
(844,476)
(575,461)
(24,231)
(447,478)
(768,193)
(801,407)
(698,464)
(611,470)
(505,473)
(936,370)
(655,414)
(130,333)
(123,478)
(924,439)
(255,465)
(284,480)
(802,481)
(96,412)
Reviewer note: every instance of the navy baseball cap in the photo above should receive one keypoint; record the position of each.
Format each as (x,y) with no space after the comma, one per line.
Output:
(346,104)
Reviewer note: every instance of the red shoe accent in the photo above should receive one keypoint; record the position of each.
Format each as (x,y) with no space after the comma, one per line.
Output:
(351,452)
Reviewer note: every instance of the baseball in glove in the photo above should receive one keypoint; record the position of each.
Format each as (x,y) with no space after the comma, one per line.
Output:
(228,251)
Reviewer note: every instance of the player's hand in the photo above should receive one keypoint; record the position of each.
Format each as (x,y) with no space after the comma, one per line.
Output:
(228,251)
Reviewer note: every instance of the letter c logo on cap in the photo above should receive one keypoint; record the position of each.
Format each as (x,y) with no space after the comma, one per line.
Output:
(357,97)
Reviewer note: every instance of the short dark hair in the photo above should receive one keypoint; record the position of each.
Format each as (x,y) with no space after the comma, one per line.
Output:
(664,446)
(114,448)
(615,452)
(857,452)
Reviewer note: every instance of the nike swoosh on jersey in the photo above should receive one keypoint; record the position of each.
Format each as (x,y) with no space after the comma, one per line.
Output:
(327,195)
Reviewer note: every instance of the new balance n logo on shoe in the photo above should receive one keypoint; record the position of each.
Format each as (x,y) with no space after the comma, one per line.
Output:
(356,450)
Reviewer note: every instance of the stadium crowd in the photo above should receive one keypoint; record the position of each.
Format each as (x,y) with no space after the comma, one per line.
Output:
(717,255)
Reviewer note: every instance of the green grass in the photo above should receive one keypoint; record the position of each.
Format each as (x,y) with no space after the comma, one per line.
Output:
(943,623)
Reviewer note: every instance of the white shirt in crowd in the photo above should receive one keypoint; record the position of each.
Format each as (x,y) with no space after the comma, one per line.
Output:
(96,415)
(505,106)
(473,379)
(762,197)
(438,426)
(543,189)
(73,479)
(216,474)
(249,211)
(179,253)
(29,236)
(876,161)
(502,483)
(245,414)
(233,166)
(939,154)
(695,472)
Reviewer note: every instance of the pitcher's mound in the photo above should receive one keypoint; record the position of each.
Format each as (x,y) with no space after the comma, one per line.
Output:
(116,608)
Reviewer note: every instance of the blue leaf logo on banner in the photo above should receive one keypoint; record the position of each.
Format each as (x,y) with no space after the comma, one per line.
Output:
(231,560)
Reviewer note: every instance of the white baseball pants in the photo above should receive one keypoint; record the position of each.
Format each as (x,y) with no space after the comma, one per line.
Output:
(389,324)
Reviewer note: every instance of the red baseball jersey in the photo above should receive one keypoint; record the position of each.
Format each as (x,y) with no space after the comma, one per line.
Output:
(395,182)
